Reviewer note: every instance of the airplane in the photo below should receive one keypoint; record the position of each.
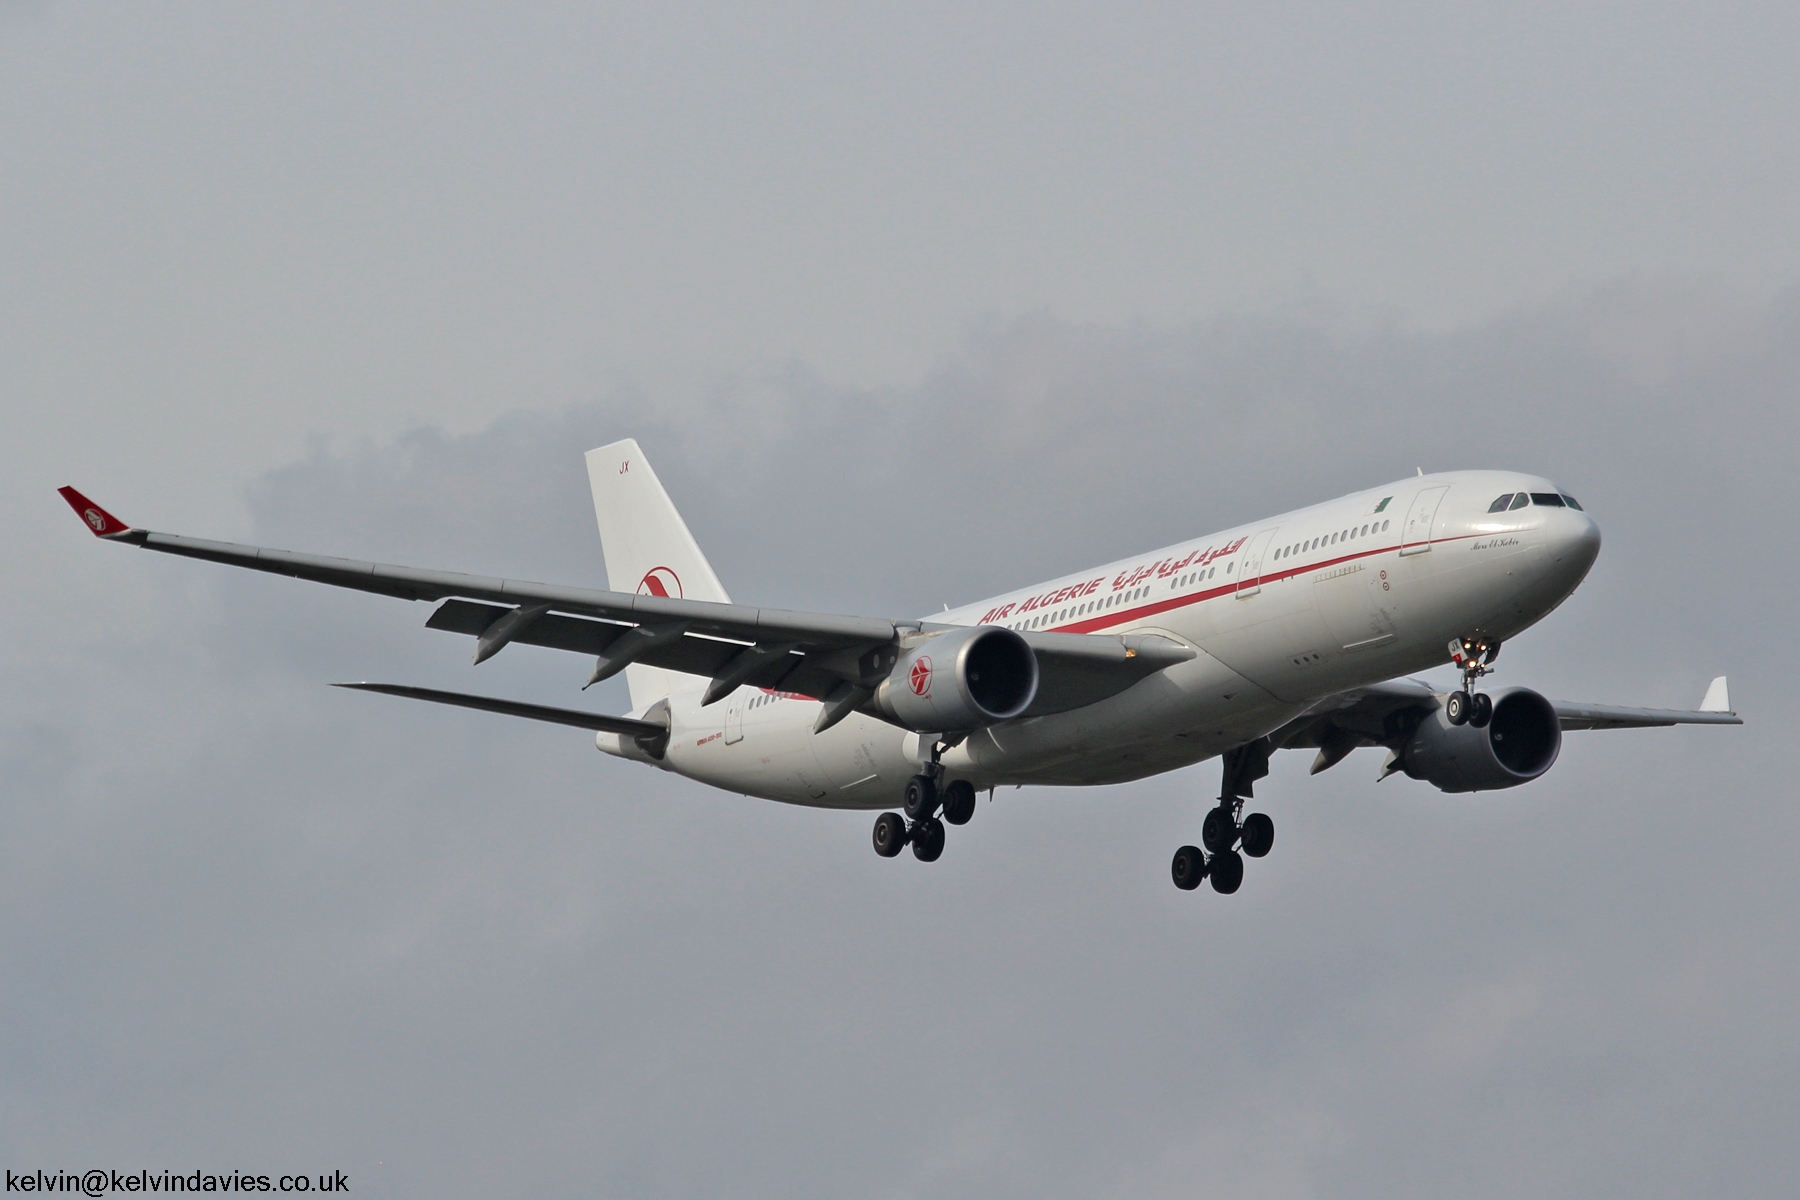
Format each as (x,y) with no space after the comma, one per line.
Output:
(1295,632)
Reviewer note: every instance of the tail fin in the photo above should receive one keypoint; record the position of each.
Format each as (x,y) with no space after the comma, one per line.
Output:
(647,545)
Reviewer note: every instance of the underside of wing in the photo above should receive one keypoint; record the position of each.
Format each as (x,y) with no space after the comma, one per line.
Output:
(1379,715)
(1607,716)
(1715,709)
(813,654)
(1077,669)
(839,660)
(1384,715)
(787,667)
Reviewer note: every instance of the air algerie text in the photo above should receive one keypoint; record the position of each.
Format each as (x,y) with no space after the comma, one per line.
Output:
(1162,568)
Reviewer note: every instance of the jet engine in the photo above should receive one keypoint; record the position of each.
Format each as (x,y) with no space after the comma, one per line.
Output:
(1516,746)
(959,680)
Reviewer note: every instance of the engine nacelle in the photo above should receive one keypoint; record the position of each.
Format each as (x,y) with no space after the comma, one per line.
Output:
(1518,745)
(960,680)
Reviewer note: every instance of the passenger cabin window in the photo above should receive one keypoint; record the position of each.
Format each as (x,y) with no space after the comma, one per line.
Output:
(1520,501)
(1547,499)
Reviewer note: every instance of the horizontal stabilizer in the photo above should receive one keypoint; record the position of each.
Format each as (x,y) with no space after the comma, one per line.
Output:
(645,732)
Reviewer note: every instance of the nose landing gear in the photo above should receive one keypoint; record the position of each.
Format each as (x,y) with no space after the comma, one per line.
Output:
(1474,657)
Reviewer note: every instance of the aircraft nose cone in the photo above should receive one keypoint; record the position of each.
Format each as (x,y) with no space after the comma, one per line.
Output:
(1574,543)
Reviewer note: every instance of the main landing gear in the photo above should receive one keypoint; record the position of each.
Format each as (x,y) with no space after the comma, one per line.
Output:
(923,801)
(1227,840)
(1474,657)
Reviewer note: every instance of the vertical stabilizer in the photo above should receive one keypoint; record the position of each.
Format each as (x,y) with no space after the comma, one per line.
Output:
(647,545)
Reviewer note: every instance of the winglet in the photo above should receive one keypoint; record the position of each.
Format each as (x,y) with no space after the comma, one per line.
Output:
(103,523)
(1717,698)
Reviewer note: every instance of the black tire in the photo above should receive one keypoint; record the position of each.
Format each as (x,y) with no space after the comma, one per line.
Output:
(1226,872)
(1219,830)
(1456,708)
(890,834)
(920,798)
(1481,710)
(959,802)
(1189,868)
(928,839)
(1259,835)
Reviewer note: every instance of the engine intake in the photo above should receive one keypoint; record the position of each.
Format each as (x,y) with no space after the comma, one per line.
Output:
(959,680)
(1518,745)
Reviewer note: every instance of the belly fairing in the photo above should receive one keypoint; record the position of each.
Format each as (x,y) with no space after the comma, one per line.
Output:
(1181,715)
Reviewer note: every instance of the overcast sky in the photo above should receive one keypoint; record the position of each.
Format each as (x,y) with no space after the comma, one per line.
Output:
(908,305)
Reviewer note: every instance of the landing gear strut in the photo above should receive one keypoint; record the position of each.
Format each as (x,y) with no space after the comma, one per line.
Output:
(1474,657)
(1222,834)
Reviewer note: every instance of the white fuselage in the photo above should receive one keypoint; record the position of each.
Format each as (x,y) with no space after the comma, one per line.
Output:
(1282,612)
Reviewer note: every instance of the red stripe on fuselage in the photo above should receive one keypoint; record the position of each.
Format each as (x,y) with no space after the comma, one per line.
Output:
(1099,621)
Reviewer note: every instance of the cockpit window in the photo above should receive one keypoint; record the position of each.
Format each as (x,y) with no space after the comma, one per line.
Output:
(1572,502)
(1520,501)
(1500,504)
(1547,499)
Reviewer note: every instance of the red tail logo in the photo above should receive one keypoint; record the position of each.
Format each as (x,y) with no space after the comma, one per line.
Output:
(660,581)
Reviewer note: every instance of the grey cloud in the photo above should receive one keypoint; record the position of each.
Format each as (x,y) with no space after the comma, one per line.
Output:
(252,921)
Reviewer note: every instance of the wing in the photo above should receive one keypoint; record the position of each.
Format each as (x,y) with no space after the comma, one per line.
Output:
(827,657)
(1385,714)
(1381,715)
(1715,709)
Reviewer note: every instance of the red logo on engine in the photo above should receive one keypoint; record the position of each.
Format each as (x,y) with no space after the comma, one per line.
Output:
(920,675)
(660,581)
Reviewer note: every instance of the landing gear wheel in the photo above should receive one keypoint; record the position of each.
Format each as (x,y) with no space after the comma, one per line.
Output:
(1189,868)
(890,834)
(920,799)
(1259,835)
(1219,830)
(1227,872)
(1456,708)
(928,839)
(1481,710)
(959,802)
